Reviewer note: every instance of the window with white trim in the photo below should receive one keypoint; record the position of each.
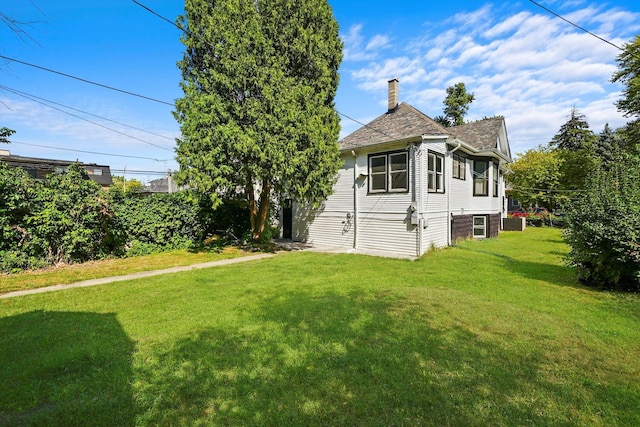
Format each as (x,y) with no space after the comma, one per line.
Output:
(389,172)
(459,166)
(435,173)
(496,181)
(479,227)
(480,178)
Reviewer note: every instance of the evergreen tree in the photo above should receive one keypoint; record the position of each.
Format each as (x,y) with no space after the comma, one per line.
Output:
(574,134)
(608,147)
(258,116)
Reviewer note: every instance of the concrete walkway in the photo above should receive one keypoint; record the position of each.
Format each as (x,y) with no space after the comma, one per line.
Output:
(132,276)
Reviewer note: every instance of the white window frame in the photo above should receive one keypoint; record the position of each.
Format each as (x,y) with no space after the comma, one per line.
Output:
(389,173)
(435,177)
(496,180)
(482,228)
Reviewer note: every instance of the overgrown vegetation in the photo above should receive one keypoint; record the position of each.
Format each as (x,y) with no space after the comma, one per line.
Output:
(332,339)
(68,218)
(604,231)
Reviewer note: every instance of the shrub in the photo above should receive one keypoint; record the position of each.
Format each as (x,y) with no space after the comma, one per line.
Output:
(157,222)
(70,219)
(603,228)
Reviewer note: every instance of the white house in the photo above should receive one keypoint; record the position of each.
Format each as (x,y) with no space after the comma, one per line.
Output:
(408,184)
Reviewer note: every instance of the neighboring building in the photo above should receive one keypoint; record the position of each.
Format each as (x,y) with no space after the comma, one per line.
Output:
(40,168)
(161,185)
(408,184)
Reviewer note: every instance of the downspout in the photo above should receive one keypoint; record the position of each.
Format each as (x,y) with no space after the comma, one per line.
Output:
(355,199)
(416,200)
(449,219)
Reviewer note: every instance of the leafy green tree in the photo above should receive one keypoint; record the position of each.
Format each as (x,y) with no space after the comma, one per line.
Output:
(258,116)
(534,177)
(129,186)
(5,133)
(604,228)
(629,75)
(456,105)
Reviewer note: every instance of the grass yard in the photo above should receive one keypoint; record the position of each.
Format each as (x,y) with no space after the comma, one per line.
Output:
(66,274)
(493,332)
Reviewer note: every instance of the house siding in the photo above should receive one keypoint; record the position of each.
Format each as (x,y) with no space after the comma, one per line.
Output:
(330,225)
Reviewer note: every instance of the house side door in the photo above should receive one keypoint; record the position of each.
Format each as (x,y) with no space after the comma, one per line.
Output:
(287,219)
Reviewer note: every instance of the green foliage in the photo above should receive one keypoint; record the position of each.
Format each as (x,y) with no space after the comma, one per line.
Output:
(258,114)
(126,186)
(628,75)
(574,134)
(71,219)
(5,133)
(609,147)
(533,174)
(604,228)
(17,191)
(157,222)
(456,105)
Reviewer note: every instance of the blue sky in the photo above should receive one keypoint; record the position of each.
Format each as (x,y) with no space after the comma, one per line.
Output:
(519,61)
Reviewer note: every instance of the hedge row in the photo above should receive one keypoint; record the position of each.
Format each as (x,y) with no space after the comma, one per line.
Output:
(69,218)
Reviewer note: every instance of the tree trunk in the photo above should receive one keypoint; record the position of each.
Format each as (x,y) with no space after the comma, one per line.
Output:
(259,210)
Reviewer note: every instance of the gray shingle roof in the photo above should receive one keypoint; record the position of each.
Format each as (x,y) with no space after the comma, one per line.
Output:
(405,122)
(481,135)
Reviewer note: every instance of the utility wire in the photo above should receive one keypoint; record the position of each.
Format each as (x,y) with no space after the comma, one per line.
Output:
(19,92)
(158,15)
(548,190)
(577,26)
(86,81)
(343,115)
(365,125)
(129,171)
(90,152)
(89,121)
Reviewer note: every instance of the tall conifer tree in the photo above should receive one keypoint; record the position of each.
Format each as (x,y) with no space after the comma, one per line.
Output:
(258,115)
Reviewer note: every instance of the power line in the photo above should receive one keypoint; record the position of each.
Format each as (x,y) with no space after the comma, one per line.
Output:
(87,120)
(90,152)
(130,171)
(576,25)
(158,15)
(365,125)
(86,81)
(344,115)
(19,92)
(548,190)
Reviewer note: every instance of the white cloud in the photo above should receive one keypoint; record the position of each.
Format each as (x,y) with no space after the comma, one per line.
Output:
(355,48)
(531,68)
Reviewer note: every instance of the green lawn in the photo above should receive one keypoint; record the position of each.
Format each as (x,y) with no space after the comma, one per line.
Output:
(493,332)
(65,274)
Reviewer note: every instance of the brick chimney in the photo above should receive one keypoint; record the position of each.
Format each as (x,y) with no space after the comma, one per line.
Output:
(394,89)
